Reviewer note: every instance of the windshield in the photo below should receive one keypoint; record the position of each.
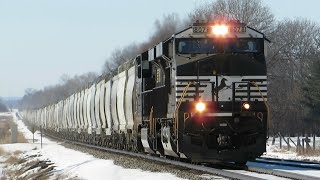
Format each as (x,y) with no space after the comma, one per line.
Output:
(225,64)
(210,46)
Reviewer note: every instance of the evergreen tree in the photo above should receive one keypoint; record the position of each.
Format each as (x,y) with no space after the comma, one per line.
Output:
(311,91)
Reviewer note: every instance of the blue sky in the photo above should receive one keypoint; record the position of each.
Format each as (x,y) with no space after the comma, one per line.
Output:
(40,40)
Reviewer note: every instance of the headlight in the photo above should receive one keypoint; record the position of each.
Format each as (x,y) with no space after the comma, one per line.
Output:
(246,106)
(200,106)
(219,29)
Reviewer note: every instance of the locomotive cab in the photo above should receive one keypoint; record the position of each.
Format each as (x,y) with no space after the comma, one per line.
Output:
(221,92)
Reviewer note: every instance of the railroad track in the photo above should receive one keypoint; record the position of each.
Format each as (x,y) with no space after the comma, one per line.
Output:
(245,173)
(279,173)
(269,164)
(291,163)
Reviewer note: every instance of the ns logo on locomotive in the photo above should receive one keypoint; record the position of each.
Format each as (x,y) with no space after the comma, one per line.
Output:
(199,95)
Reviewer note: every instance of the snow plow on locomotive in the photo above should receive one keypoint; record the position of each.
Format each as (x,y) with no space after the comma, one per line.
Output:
(199,95)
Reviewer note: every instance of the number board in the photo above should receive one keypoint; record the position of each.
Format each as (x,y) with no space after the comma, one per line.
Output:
(207,29)
(200,29)
(238,29)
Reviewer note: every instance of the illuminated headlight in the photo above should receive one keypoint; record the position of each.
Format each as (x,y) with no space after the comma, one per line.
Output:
(200,106)
(246,106)
(220,29)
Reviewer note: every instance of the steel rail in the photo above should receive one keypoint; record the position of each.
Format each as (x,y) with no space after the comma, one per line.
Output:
(288,162)
(284,174)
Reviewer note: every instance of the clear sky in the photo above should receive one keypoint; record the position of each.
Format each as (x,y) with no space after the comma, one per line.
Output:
(40,40)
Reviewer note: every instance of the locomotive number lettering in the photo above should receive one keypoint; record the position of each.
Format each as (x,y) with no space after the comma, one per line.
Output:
(200,29)
(238,29)
(207,29)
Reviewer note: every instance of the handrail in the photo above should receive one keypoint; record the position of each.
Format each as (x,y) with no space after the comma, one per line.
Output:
(151,125)
(178,106)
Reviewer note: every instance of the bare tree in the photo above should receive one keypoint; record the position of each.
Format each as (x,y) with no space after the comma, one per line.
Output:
(119,56)
(252,12)
(3,107)
(163,29)
(293,40)
(293,49)
(52,94)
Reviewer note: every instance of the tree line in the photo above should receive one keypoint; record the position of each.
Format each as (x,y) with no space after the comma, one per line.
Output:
(3,107)
(293,61)
(52,94)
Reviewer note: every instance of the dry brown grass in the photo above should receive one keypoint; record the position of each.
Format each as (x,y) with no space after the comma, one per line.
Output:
(61,176)
(2,152)
(43,173)
(4,131)
(310,152)
(26,169)
(5,134)
(12,160)
(17,152)
(3,178)
(21,138)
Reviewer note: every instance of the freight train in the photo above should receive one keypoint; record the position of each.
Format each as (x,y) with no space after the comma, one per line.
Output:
(200,95)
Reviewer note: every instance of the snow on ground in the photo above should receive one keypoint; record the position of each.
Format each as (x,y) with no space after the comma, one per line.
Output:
(70,163)
(1,170)
(274,151)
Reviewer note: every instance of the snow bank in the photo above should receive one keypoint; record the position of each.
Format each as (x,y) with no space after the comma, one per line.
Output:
(274,151)
(71,163)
